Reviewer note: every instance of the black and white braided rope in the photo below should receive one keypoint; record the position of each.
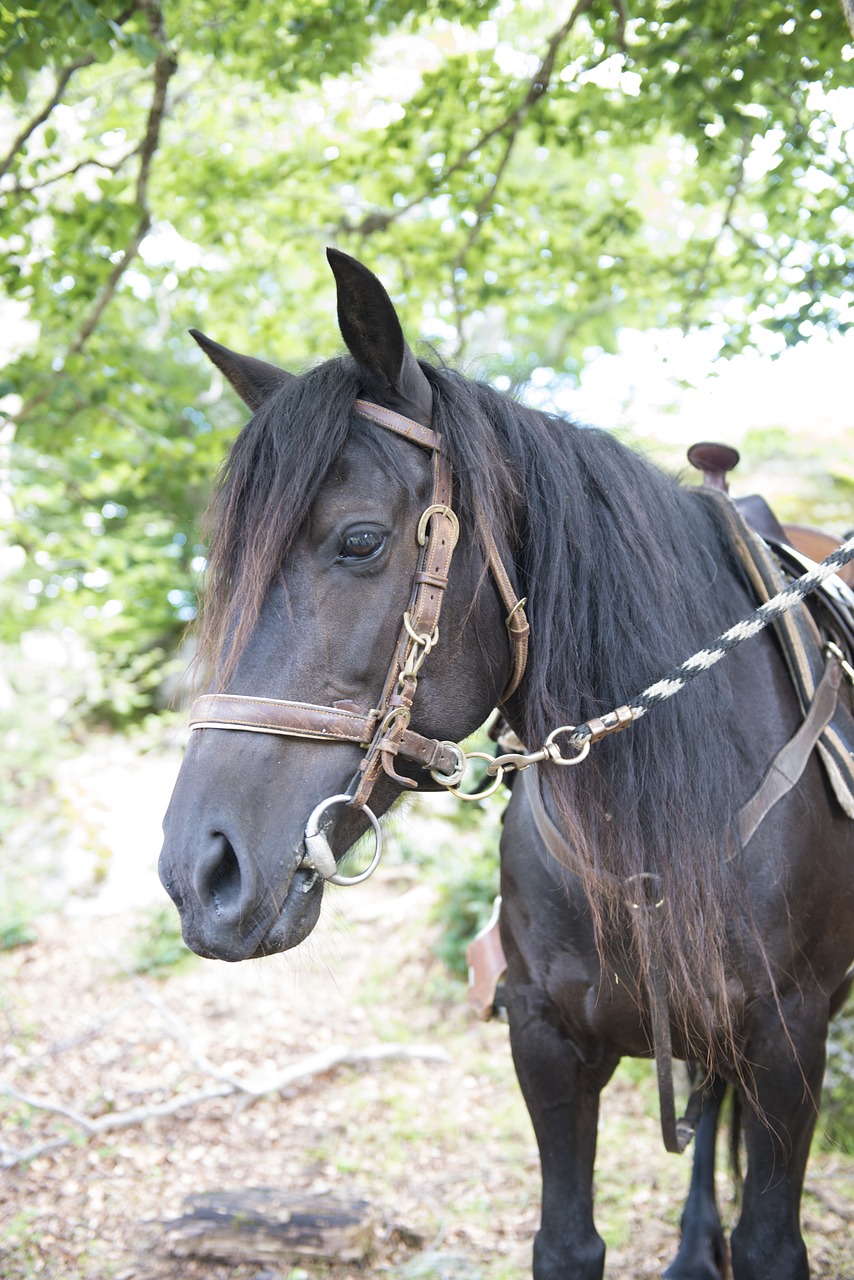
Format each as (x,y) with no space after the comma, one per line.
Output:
(706,658)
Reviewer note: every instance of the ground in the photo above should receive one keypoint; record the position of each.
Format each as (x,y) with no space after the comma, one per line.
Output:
(439,1147)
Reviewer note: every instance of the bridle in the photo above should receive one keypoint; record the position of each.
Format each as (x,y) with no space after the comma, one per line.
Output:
(383,732)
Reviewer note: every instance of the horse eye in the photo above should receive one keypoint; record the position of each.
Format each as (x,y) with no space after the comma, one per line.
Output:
(361,544)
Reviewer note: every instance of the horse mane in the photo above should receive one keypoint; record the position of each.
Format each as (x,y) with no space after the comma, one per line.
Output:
(265,491)
(626,573)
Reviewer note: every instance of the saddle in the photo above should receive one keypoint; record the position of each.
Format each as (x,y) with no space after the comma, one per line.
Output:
(778,554)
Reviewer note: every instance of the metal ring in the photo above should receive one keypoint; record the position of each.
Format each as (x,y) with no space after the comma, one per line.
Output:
(454,779)
(393,714)
(437,508)
(425,641)
(554,750)
(520,604)
(313,834)
(645,877)
(488,791)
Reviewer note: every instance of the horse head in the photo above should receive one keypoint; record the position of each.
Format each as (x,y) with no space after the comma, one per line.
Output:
(334,525)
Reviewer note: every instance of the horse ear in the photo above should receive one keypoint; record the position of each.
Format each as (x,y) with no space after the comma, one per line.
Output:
(253,380)
(372,332)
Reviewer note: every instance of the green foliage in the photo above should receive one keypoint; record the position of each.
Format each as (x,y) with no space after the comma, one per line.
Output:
(526,189)
(16,929)
(467,882)
(836,1124)
(158,947)
(458,853)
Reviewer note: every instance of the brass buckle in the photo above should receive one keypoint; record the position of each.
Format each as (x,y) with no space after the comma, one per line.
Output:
(437,509)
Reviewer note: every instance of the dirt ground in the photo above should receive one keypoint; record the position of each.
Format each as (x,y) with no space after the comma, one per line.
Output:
(434,1138)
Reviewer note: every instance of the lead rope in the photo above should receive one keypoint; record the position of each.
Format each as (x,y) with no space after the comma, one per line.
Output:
(701,661)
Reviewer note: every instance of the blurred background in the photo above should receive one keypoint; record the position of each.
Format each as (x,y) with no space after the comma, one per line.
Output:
(636,213)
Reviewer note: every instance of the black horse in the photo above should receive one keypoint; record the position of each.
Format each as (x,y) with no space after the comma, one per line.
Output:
(331,518)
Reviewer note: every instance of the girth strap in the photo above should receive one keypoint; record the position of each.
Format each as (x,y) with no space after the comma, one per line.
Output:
(787,766)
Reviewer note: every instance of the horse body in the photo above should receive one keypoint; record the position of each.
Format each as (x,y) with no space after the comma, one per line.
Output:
(625,573)
(574,1013)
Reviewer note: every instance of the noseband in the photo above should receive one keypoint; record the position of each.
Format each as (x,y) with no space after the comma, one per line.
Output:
(383,732)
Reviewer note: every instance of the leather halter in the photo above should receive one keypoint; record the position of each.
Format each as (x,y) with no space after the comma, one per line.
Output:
(383,732)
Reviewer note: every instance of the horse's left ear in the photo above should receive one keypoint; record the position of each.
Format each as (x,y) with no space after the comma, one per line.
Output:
(372,332)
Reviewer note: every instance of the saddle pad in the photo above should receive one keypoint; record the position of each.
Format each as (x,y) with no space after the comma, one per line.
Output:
(800,635)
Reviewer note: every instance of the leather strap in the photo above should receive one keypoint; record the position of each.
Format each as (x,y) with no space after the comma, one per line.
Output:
(676,1134)
(557,846)
(425,607)
(406,427)
(518,627)
(310,720)
(290,719)
(517,623)
(787,766)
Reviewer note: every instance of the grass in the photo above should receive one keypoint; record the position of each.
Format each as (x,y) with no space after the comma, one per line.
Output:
(159,950)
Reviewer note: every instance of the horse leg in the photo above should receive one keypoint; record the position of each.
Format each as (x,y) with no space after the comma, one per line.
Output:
(702,1250)
(767,1243)
(562,1096)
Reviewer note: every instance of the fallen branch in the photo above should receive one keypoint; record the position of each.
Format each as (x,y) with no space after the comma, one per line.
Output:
(301,1072)
(262,1225)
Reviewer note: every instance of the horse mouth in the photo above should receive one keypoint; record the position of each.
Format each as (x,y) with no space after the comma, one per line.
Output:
(266,930)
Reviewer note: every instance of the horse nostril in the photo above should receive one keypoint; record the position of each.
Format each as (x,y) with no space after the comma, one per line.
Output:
(220,882)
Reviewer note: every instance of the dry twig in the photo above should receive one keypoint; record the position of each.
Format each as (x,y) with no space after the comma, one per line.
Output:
(301,1072)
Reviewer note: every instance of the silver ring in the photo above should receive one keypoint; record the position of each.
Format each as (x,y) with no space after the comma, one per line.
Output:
(451,779)
(318,854)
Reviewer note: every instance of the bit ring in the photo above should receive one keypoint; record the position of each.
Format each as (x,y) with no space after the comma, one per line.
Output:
(319,856)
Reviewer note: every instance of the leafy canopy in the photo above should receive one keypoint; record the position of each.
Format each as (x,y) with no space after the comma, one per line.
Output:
(528,179)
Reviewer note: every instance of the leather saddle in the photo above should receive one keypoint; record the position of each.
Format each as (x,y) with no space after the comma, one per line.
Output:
(797,547)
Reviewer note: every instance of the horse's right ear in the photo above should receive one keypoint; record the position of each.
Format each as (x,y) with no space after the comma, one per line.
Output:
(253,380)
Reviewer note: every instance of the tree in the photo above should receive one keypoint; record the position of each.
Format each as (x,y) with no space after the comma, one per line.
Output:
(528,180)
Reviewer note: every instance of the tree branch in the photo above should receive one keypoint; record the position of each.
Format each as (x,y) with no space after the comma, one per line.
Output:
(62,80)
(726,225)
(21,188)
(301,1072)
(848,13)
(537,86)
(165,67)
(622,13)
(31,126)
